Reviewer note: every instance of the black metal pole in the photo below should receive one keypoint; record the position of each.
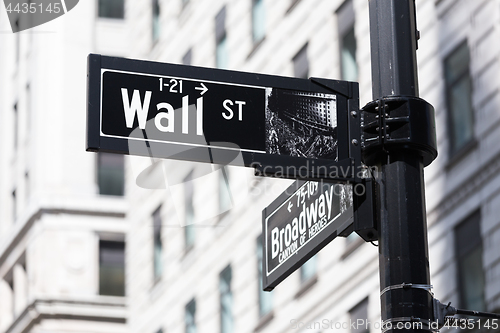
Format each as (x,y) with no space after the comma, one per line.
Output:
(403,250)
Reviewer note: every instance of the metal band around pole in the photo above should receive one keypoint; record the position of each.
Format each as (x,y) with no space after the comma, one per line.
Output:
(426,287)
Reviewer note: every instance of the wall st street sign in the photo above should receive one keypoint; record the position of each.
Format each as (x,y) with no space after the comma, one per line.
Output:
(285,127)
(299,223)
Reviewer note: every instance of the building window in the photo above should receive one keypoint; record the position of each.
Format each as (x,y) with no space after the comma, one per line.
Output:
(8,299)
(222,57)
(157,244)
(20,286)
(359,315)
(301,64)
(347,41)
(225,200)
(292,5)
(226,301)
(28,108)
(111,174)
(190,316)
(221,52)
(156,20)
(114,9)
(187,58)
(189,214)
(16,124)
(258,20)
(111,268)
(352,238)
(18,40)
(14,205)
(348,56)
(469,252)
(459,98)
(27,188)
(265,298)
(308,269)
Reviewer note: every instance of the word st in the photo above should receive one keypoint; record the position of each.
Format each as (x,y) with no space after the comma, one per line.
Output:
(228,114)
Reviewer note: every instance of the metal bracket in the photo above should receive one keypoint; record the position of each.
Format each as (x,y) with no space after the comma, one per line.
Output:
(397,123)
(365,213)
(403,285)
(442,311)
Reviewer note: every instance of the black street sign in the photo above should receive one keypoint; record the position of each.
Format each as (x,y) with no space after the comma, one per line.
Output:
(299,223)
(285,127)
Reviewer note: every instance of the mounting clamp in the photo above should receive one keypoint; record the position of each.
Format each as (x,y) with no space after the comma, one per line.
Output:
(398,123)
(407,286)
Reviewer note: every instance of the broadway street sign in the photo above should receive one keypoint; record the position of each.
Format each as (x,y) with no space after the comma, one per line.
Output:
(299,223)
(285,127)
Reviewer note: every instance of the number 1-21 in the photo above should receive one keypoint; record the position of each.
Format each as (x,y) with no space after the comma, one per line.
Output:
(174,84)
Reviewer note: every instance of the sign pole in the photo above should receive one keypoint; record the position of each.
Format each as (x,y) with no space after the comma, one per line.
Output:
(406,301)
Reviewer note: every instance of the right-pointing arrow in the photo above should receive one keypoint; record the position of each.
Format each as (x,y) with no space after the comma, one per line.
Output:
(203,89)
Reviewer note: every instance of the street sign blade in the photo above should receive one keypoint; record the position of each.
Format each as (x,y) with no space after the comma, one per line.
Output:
(299,223)
(275,124)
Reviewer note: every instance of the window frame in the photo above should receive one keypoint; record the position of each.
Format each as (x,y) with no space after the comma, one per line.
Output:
(221,39)
(311,261)
(473,244)
(15,203)
(225,200)
(292,5)
(259,39)
(360,308)
(121,17)
(155,21)
(453,152)
(301,57)
(187,58)
(189,211)
(117,243)
(261,292)
(98,174)
(15,109)
(190,310)
(157,239)
(346,23)
(226,277)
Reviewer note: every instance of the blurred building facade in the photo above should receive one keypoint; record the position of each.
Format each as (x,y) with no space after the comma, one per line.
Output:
(191,233)
(210,269)
(62,225)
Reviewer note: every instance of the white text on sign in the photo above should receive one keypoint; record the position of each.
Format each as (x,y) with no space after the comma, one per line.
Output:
(313,219)
(230,114)
(131,108)
(164,121)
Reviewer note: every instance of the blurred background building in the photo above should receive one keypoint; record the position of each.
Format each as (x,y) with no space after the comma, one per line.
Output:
(87,247)
(62,210)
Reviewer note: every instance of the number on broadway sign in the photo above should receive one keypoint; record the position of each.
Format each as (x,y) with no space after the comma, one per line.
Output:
(275,124)
(299,223)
